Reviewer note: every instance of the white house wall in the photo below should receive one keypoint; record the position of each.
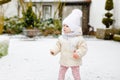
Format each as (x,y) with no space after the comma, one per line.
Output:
(97,12)
(117,13)
(10,8)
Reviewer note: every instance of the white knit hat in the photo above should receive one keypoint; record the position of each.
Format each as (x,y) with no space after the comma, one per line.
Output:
(73,20)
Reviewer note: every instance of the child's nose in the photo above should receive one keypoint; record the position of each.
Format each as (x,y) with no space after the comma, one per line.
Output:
(64,28)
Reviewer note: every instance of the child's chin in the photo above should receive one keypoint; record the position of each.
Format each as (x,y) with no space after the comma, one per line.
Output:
(65,33)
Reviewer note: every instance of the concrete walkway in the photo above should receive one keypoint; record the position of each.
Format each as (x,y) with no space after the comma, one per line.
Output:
(31,60)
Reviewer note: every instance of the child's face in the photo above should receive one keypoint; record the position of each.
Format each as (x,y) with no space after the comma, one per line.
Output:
(66,29)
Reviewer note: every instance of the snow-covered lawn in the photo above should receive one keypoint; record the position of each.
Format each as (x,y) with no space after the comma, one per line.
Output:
(31,60)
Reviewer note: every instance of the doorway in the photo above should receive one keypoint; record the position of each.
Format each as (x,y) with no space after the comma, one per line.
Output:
(85,7)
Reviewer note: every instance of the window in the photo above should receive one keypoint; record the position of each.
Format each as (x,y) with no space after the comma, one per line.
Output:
(47,11)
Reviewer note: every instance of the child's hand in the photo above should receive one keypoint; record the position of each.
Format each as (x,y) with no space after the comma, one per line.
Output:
(51,52)
(75,55)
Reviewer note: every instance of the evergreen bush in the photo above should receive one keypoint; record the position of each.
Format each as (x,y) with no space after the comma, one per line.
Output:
(107,20)
(30,18)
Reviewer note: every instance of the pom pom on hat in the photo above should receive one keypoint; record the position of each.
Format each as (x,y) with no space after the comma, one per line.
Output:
(73,20)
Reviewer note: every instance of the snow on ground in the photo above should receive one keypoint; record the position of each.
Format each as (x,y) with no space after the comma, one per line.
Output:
(31,60)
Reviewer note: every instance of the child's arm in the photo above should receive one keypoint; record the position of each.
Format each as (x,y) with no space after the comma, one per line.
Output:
(56,48)
(82,48)
(51,52)
(75,55)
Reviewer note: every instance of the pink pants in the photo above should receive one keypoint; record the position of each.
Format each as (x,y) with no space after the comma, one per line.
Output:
(75,72)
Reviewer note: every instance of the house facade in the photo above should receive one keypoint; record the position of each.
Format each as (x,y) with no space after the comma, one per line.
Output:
(46,9)
(93,11)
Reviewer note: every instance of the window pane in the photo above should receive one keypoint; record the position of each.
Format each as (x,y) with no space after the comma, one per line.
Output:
(47,11)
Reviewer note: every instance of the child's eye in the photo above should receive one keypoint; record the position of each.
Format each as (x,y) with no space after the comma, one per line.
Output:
(67,26)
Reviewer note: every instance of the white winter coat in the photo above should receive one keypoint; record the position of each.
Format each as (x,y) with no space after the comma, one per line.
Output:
(66,47)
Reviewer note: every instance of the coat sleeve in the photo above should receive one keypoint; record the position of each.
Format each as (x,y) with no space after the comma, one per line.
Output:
(56,49)
(82,47)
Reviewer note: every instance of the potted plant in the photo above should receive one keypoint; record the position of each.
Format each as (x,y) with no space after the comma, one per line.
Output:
(107,21)
(30,22)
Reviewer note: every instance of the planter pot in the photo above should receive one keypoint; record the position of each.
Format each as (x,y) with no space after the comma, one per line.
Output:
(116,37)
(31,32)
(102,33)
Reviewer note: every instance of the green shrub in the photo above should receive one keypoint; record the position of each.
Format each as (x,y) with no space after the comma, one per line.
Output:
(107,20)
(30,18)
(109,5)
(51,27)
(13,25)
(4,48)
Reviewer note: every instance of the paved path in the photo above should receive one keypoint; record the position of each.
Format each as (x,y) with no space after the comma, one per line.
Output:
(30,60)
